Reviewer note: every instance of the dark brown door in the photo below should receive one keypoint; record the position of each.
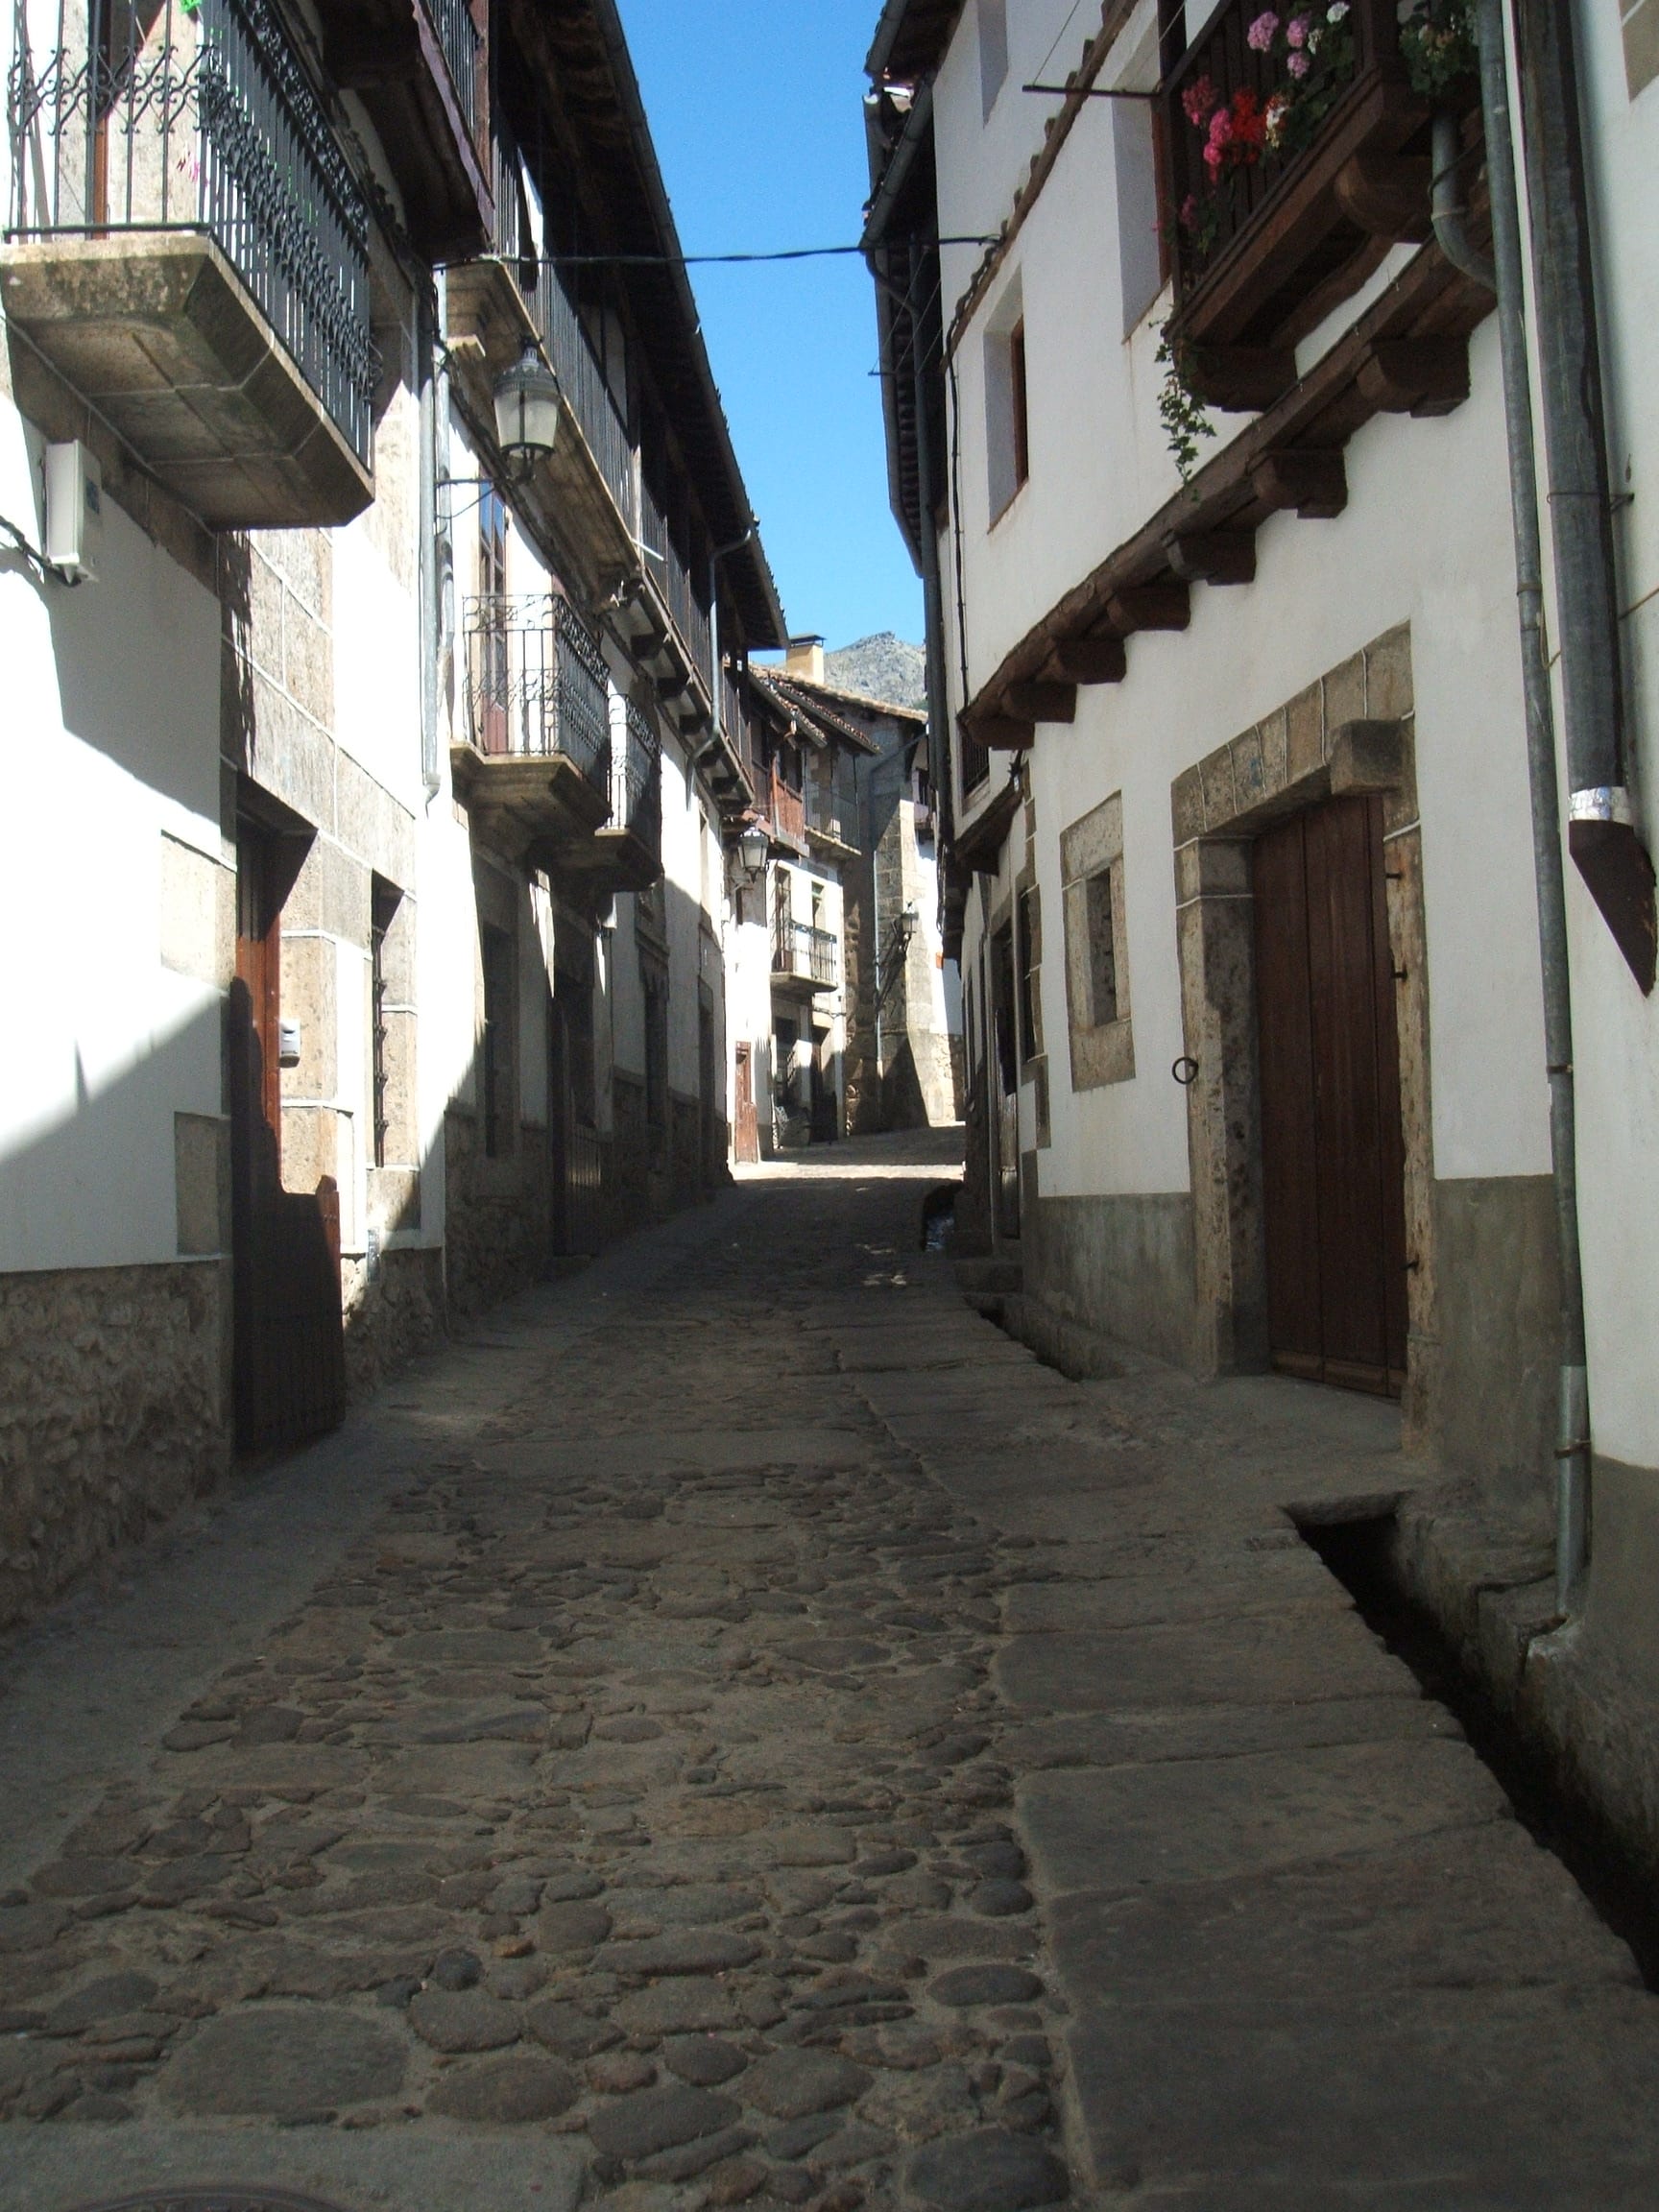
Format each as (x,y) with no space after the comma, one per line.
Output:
(289,1354)
(1333,1156)
(1004,1085)
(748,1134)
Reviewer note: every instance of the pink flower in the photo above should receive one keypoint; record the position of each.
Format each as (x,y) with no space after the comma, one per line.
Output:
(1296,31)
(1199,102)
(1259,35)
(1213,160)
(1298,64)
(1189,212)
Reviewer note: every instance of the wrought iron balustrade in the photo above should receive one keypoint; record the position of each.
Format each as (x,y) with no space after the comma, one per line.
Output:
(462,44)
(637,780)
(200,119)
(535,682)
(557,322)
(799,950)
(665,565)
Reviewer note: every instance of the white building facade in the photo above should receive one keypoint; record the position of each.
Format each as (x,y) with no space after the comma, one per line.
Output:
(365,875)
(1241,852)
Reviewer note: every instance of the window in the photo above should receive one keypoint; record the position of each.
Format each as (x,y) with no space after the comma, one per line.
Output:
(500,993)
(1096,974)
(1103,949)
(1142,250)
(1031,959)
(992,51)
(492,544)
(1007,407)
(384,899)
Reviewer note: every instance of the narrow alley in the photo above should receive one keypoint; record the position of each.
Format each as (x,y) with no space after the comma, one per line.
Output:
(737,1730)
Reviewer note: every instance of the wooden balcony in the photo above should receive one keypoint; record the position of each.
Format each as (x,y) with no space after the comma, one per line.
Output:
(156,193)
(1309,182)
(421,68)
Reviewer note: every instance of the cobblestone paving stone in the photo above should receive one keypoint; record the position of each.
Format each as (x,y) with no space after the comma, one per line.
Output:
(636,1779)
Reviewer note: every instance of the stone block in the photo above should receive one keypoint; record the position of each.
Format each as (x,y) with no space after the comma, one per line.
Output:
(287,752)
(308,662)
(1365,756)
(1274,733)
(1304,735)
(1220,797)
(197,900)
(1344,690)
(311,996)
(1249,772)
(202,1178)
(1186,805)
(330,894)
(1389,685)
(374,825)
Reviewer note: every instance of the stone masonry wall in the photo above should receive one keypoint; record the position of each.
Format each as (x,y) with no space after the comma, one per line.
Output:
(114,1411)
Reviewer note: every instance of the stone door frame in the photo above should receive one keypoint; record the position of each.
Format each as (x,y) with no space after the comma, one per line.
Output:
(1351,731)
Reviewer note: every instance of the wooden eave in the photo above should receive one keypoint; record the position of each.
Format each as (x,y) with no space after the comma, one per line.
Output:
(1408,353)
(978,846)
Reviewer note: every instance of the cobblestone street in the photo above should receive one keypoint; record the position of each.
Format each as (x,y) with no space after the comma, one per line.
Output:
(636,1789)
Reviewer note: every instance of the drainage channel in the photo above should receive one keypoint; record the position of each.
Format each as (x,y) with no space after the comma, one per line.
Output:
(1359,1554)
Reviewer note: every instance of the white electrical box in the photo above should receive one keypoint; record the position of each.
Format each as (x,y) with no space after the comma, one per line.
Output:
(74,511)
(289,1039)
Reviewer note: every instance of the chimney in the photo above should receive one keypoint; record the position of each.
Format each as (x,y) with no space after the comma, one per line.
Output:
(805,658)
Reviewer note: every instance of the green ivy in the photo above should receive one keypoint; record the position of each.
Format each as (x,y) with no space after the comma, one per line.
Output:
(1184,416)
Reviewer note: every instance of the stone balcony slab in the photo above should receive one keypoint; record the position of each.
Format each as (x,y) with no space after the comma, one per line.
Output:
(155,331)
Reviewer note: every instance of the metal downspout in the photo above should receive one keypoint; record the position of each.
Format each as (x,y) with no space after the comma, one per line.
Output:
(1601,828)
(1572,1411)
(428,556)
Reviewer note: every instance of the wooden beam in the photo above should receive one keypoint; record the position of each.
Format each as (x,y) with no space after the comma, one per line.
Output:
(1311,480)
(1416,375)
(1214,556)
(1040,702)
(1089,660)
(1239,378)
(1150,607)
(1387,195)
(1001,733)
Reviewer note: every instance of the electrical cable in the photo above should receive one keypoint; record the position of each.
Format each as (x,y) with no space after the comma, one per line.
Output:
(728,260)
(32,554)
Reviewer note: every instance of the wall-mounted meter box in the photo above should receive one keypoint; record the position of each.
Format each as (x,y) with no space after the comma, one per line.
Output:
(289,1040)
(74,511)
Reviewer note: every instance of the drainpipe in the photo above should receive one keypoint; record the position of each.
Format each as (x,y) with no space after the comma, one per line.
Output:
(1573,1397)
(1601,828)
(427,558)
(1448,207)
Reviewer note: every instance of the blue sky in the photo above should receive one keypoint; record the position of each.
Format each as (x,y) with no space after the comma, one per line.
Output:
(755,106)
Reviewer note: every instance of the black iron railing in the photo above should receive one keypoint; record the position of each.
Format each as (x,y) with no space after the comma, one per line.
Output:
(462,44)
(667,567)
(535,682)
(799,950)
(637,778)
(171,118)
(831,815)
(559,324)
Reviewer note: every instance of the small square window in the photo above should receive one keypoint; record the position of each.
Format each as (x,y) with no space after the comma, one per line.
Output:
(1103,949)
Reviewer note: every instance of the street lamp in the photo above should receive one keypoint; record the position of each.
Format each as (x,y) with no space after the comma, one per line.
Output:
(527,399)
(753,847)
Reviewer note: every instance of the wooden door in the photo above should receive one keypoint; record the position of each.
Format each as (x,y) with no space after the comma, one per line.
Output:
(1333,1154)
(747,1145)
(288,1341)
(1005,1085)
